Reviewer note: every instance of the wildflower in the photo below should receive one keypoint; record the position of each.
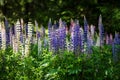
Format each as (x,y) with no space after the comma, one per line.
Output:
(101,30)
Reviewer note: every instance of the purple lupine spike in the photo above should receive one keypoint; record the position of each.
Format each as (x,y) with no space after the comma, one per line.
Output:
(89,44)
(56,25)
(0,35)
(54,42)
(116,46)
(101,30)
(13,29)
(21,38)
(85,29)
(38,34)
(116,39)
(26,30)
(75,38)
(7,31)
(62,38)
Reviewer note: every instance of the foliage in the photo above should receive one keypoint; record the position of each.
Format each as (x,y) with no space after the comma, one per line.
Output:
(65,66)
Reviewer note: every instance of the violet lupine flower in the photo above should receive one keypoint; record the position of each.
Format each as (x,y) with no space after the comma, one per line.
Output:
(56,25)
(101,30)
(90,43)
(26,30)
(13,30)
(7,31)
(109,39)
(0,35)
(54,42)
(62,38)
(75,38)
(85,29)
(116,46)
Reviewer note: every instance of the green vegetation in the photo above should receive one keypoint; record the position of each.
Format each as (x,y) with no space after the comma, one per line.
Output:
(96,66)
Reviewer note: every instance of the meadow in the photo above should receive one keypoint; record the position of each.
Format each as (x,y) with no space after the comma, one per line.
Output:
(30,52)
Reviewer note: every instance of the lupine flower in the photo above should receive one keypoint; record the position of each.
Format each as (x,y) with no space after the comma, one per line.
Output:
(3,35)
(54,42)
(49,28)
(107,39)
(111,39)
(92,30)
(18,29)
(98,41)
(101,30)
(75,38)
(0,35)
(15,44)
(7,32)
(116,46)
(30,31)
(62,38)
(27,47)
(85,29)
(42,30)
(56,25)
(39,43)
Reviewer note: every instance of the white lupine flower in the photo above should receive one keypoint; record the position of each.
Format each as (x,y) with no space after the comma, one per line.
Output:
(27,47)
(17,29)
(39,46)
(3,35)
(92,30)
(98,41)
(30,30)
(15,44)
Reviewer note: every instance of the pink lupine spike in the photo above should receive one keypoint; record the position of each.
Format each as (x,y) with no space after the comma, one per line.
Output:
(107,39)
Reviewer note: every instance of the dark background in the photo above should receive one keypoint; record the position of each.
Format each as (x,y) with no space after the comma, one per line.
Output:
(42,10)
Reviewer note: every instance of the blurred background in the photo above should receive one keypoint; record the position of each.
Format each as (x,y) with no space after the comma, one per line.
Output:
(42,10)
